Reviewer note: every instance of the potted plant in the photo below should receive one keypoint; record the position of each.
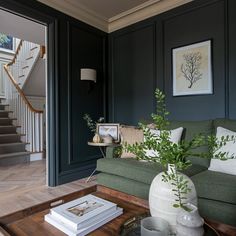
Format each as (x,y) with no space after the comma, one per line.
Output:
(172,190)
(92,125)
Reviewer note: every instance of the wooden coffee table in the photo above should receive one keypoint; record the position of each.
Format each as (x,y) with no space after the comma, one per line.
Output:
(31,220)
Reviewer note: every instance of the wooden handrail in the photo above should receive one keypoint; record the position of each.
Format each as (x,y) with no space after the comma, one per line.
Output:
(20,90)
(16,53)
(6,68)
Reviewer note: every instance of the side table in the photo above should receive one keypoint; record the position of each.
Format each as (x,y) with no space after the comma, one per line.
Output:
(101,146)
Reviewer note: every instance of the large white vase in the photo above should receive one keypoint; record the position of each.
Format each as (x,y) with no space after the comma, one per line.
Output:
(162,198)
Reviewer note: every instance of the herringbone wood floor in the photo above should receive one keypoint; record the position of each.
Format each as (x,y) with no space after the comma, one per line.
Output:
(24,185)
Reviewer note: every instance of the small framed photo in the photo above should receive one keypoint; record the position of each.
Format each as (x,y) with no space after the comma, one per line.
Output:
(105,129)
(192,69)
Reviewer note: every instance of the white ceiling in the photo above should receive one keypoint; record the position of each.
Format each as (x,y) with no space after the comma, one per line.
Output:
(21,28)
(110,15)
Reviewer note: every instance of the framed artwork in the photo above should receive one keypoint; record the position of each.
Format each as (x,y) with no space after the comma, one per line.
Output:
(105,129)
(192,70)
(6,42)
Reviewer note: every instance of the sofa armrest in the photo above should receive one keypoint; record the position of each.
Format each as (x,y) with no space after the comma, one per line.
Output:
(113,151)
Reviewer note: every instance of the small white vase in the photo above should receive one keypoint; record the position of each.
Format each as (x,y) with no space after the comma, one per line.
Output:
(162,198)
(107,139)
(96,138)
(189,222)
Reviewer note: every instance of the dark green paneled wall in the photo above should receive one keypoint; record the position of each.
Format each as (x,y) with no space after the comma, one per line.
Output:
(151,62)
(133,75)
(232,58)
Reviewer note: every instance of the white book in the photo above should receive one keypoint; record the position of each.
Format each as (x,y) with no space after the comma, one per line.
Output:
(83,211)
(83,231)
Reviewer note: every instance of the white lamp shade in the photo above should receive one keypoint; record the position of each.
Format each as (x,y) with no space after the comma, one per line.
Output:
(88,74)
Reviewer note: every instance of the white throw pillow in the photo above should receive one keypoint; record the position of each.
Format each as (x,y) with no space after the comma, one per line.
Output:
(175,137)
(227,166)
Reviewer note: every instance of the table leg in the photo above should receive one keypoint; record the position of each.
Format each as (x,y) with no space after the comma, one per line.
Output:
(102,151)
(103,155)
(87,180)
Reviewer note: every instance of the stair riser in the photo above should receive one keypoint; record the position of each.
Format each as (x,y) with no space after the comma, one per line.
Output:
(14,160)
(2,107)
(4,114)
(7,130)
(12,149)
(10,139)
(6,122)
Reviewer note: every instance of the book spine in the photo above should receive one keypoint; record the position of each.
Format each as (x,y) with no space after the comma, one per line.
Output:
(84,231)
(63,219)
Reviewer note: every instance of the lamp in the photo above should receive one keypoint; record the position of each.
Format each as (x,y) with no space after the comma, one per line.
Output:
(88,74)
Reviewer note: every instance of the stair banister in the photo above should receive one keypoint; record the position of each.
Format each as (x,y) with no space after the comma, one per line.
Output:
(29,119)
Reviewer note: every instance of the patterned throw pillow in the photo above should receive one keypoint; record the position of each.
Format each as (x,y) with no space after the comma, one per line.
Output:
(175,137)
(130,135)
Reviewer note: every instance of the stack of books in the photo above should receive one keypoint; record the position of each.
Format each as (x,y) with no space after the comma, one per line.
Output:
(83,215)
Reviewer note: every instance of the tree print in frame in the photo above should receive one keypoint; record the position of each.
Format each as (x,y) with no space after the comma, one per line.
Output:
(192,72)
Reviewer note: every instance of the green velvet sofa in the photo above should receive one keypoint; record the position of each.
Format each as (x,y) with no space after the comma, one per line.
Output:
(216,191)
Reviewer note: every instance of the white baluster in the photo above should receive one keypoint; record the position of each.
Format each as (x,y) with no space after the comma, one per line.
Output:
(41,132)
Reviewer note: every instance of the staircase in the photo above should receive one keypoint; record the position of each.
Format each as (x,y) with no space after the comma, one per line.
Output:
(12,149)
(18,119)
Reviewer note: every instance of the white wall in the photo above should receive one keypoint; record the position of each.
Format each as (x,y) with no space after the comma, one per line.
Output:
(35,84)
(22,28)
(5,57)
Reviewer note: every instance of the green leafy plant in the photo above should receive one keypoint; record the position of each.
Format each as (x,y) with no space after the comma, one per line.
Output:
(92,125)
(175,154)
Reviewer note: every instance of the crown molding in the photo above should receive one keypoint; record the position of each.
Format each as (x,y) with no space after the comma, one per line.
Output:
(79,12)
(133,10)
(131,16)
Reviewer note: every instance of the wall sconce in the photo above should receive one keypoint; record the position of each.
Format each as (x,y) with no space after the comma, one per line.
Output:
(88,74)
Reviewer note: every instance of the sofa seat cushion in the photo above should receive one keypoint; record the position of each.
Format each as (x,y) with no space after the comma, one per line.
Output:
(143,172)
(129,168)
(124,185)
(216,186)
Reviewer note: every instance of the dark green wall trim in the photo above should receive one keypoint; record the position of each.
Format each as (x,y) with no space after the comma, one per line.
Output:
(232,57)
(226,35)
(53,106)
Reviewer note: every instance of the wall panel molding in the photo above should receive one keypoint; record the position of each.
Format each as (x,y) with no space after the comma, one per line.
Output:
(85,49)
(169,34)
(121,44)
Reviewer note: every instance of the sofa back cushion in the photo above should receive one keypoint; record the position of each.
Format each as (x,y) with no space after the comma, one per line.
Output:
(225,123)
(192,128)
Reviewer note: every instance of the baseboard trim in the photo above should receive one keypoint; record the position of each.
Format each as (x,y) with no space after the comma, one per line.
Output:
(36,156)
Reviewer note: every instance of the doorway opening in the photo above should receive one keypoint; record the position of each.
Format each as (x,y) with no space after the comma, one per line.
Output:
(23,105)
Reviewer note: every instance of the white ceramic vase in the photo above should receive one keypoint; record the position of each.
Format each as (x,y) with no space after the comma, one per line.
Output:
(96,138)
(189,222)
(162,198)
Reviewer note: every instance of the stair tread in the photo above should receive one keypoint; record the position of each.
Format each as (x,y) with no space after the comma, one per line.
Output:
(5,111)
(12,154)
(12,144)
(10,126)
(9,135)
(7,118)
